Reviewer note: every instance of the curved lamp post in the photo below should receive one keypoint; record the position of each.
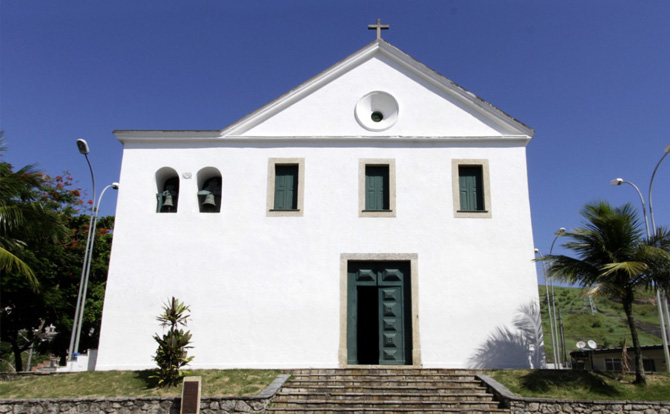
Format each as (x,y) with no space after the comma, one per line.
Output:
(557,344)
(551,320)
(661,300)
(78,320)
(666,150)
(651,182)
(551,303)
(82,145)
(620,181)
(88,258)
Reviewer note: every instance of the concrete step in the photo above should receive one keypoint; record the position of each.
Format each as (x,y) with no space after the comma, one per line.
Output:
(386,384)
(382,378)
(331,389)
(383,390)
(389,403)
(387,371)
(376,396)
(377,410)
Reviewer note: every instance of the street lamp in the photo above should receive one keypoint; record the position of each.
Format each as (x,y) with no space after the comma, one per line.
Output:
(82,145)
(620,181)
(551,320)
(666,150)
(551,302)
(88,259)
(650,232)
(651,182)
(559,233)
(661,300)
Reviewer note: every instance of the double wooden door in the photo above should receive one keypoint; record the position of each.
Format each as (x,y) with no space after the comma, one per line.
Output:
(379,313)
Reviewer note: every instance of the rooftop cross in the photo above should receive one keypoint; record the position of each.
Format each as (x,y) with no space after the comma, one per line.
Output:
(379,27)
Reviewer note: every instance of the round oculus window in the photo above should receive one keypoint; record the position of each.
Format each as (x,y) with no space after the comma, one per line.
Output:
(376,111)
(377,116)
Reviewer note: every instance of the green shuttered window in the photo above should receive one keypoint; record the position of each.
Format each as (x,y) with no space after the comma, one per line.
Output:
(377,187)
(471,188)
(286,187)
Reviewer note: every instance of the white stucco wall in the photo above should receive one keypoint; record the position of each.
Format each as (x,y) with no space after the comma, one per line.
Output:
(425,109)
(264,291)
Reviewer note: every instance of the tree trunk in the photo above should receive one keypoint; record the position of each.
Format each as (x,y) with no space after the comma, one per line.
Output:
(18,362)
(627,302)
(18,350)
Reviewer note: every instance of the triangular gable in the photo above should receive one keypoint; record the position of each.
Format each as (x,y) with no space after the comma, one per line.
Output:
(325,104)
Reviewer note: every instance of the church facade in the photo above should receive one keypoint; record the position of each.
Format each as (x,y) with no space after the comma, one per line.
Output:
(378,214)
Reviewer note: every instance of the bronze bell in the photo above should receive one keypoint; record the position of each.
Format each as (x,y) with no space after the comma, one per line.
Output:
(209,200)
(168,201)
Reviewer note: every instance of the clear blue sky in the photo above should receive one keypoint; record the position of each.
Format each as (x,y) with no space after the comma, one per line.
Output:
(591,77)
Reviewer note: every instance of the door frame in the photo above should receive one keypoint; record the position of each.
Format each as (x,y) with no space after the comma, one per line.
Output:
(412,258)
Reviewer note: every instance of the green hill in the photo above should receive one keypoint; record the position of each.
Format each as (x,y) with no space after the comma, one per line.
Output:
(607,326)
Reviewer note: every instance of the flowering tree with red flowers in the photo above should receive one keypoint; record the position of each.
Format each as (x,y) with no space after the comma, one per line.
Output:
(46,238)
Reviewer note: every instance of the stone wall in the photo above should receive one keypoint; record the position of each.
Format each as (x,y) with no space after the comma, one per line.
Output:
(542,405)
(143,405)
(146,405)
(521,405)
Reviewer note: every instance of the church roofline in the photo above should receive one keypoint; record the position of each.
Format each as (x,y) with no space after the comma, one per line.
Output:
(184,136)
(134,135)
(436,77)
(269,109)
(346,64)
(236,130)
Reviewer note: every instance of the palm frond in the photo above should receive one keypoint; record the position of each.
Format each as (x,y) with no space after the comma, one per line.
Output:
(11,216)
(569,269)
(632,269)
(10,263)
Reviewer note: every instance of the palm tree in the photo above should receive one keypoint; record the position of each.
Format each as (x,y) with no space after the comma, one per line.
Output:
(13,188)
(27,223)
(613,259)
(22,217)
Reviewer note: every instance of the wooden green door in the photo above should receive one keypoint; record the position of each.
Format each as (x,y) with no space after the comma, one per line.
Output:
(378,313)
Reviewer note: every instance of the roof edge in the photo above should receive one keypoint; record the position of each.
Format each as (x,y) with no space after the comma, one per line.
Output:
(397,55)
(262,113)
(146,136)
(124,135)
(440,80)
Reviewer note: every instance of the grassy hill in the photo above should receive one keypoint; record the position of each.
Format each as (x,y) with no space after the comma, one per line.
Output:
(607,326)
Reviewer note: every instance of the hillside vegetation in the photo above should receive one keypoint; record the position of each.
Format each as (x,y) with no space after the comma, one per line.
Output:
(607,326)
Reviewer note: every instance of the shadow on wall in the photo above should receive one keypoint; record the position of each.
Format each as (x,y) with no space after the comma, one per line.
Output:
(522,347)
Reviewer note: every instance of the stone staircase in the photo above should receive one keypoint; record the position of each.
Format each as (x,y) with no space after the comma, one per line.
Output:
(380,390)
(48,366)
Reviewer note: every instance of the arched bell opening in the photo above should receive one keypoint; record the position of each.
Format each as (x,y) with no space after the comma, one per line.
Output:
(167,196)
(209,190)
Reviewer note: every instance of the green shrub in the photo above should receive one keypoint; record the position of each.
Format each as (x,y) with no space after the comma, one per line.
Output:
(171,354)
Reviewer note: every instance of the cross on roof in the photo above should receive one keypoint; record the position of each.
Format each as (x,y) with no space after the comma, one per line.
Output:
(379,27)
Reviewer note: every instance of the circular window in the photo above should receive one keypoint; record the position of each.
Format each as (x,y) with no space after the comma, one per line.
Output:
(376,111)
